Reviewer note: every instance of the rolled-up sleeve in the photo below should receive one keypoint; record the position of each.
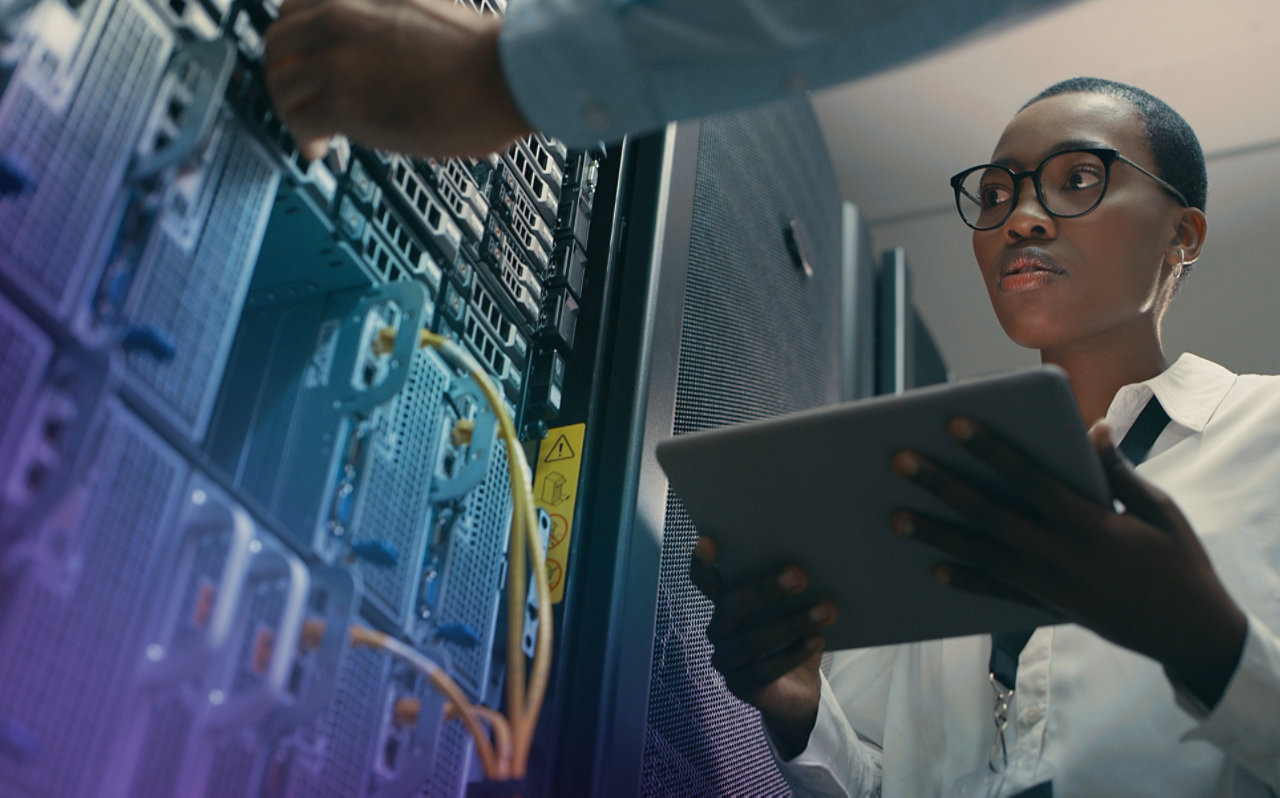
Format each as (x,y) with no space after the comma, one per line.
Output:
(591,70)
(835,762)
(1245,723)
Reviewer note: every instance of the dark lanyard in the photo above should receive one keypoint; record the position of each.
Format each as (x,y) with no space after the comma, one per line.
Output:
(1137,443)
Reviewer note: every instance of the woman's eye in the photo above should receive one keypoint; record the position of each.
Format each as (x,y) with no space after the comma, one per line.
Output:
(1082,178)
(993,195)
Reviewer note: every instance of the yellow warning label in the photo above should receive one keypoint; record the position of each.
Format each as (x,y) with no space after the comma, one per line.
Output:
(555,488)
(562,449)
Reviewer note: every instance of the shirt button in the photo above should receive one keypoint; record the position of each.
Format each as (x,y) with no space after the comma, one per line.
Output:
(593,115)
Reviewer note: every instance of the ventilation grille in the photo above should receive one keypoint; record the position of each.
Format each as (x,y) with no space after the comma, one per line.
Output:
(24,352)
(452,763)
(75,160)
(332,755)
(401,466)
(48,637)
(475,564)
(758,339)
(194,298)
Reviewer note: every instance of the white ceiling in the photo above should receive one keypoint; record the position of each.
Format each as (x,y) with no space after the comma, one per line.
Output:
(895,138)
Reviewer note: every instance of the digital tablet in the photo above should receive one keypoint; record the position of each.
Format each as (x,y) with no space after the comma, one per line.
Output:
(815,489)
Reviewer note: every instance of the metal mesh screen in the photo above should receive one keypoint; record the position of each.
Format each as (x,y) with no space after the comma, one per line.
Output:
(77,157)
(393,506)
(195,298)
(50,635)
(758,339)
(475,567)
(24,353)
(333,754)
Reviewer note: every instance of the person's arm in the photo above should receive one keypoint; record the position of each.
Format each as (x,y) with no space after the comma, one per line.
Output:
(1140,578)
(835,761)
(589,70)
(1244,723)
(772,662)
(428,77)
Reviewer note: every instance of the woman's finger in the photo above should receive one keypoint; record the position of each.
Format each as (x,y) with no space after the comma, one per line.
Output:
(735,605)
(990,515)
(1047,495)
(973,581)
(759,642)
(702,569)
(960,542)
(747,682)
(1138,496)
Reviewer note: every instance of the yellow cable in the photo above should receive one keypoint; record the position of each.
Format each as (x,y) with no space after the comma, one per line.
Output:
(501,732)
(525,692)
(364,636)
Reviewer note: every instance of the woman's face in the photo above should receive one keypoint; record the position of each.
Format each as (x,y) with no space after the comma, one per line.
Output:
(1055,283)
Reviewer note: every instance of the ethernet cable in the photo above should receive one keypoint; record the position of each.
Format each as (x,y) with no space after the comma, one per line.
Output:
(492,764)
(525,691)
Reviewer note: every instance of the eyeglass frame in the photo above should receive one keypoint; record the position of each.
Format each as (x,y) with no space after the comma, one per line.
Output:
(1107,155)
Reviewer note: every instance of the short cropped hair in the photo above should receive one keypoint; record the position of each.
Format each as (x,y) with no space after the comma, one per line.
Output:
(1179,158)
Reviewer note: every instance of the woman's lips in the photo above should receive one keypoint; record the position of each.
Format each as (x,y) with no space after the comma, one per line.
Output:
(1026,271)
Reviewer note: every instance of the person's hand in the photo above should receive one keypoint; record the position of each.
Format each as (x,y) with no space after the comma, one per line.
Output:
(1139,578)
(419,77)
(768,661)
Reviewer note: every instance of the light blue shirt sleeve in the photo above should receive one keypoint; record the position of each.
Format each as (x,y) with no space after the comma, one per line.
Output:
(591,70)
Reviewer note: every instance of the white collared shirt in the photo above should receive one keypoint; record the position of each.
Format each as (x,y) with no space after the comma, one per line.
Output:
(1094,718)
(592,70)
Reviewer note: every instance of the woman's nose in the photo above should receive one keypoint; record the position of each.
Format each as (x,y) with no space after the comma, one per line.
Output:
(1029,219)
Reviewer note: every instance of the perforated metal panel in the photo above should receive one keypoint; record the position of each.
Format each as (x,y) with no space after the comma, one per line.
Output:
(234,771)
(169,725)
(759,338)
(24,353)
(392,506)
(65,637)
(475,565)
(194,298)
(330,757)
(75,156)
(452,761)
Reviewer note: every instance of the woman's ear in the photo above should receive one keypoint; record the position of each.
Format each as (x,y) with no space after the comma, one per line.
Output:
(1188,236)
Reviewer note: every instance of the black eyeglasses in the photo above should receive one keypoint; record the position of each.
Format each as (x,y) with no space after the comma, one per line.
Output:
(1068,184)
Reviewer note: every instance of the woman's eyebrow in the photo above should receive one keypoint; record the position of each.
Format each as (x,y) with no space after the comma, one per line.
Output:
(1069,144)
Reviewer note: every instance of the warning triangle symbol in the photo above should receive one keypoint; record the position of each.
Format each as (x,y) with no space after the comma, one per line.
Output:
(560,450)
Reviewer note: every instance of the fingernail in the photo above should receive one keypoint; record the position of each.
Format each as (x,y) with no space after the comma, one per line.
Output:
(819,613)
(791,580)
(942,574)
(813,643)
(963,428)
(907,463)
(903,524)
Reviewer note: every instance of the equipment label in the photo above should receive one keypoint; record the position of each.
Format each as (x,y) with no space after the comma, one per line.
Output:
(555,490)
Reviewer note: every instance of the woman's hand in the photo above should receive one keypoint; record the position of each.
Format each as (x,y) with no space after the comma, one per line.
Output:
(1139,578)
(767,660)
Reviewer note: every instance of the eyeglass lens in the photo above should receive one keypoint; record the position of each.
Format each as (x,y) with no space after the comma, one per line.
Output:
(1071,183)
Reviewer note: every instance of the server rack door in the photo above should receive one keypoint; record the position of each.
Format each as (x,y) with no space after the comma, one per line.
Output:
(729,305)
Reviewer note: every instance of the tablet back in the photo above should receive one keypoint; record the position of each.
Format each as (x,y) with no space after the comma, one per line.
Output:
(815,488)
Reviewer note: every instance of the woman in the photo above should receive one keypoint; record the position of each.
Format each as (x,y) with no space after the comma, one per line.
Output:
(1168,683)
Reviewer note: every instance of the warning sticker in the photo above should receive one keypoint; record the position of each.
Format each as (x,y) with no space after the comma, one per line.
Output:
(555,489)
(562,449)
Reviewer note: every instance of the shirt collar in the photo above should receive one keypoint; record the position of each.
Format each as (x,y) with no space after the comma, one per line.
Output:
(1190,391)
